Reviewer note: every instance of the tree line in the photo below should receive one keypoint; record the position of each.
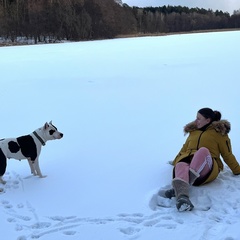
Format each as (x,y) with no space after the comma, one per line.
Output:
(52,20)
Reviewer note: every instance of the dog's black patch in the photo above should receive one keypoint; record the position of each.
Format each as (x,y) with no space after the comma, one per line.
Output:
(13,147)
(3,163)
(51,132)
(28,147)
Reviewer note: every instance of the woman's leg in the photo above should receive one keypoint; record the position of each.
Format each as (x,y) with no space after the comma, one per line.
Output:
(201,163)
(182,171)
(181,187)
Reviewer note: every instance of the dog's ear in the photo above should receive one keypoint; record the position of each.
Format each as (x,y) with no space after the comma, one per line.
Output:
(50,122)
(46,125)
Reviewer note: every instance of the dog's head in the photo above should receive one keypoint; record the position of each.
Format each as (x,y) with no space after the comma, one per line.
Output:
(51,131)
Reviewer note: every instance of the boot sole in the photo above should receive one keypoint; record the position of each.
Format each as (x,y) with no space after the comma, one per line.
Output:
(185,207)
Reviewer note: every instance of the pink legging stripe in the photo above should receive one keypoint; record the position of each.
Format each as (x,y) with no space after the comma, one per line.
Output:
(201,163)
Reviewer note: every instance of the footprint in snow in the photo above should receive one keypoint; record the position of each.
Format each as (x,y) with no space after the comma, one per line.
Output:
(13,181)
(69,233)
(129,230)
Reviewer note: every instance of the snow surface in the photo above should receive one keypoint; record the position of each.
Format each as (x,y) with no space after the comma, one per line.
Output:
(121,105)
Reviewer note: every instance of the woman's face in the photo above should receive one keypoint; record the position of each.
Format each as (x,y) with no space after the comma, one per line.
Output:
(201,120)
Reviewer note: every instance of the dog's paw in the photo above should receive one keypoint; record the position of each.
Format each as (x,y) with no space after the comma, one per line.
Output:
(43,176)
(34,173)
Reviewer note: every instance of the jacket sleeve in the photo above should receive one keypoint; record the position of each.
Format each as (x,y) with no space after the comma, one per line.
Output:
(227,155)
(181,152)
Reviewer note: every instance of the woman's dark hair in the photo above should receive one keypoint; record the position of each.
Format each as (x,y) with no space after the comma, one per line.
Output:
(209,113)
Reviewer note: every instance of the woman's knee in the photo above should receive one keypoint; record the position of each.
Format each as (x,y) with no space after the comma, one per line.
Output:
(181,165)
(203,150)
(200,155)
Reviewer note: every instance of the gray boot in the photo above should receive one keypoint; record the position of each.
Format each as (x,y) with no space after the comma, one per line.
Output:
(169,193)
(181,189)
(193,175)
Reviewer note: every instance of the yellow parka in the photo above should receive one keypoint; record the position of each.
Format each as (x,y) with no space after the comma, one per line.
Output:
(215,139)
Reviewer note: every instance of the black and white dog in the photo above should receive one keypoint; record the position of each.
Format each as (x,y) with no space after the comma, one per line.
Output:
(27,147)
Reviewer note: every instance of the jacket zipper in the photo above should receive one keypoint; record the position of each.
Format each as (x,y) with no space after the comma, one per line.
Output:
(229,150)
(197,143)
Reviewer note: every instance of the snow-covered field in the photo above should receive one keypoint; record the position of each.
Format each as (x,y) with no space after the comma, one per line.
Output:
(121,105)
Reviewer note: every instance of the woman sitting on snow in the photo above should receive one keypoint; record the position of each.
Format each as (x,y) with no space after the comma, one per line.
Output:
(198,162)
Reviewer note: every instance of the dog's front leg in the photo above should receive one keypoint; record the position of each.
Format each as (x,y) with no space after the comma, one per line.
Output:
(37,168)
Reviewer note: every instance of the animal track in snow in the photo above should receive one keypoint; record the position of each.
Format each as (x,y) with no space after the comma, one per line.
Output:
(69,233)
(130,230)
(13,181)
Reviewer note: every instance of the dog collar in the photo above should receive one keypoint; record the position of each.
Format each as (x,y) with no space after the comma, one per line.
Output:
(39,138)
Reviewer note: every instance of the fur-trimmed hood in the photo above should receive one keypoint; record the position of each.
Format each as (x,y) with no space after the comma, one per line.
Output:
(222,126)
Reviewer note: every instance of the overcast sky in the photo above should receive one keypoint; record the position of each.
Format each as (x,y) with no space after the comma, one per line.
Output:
(224,5)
